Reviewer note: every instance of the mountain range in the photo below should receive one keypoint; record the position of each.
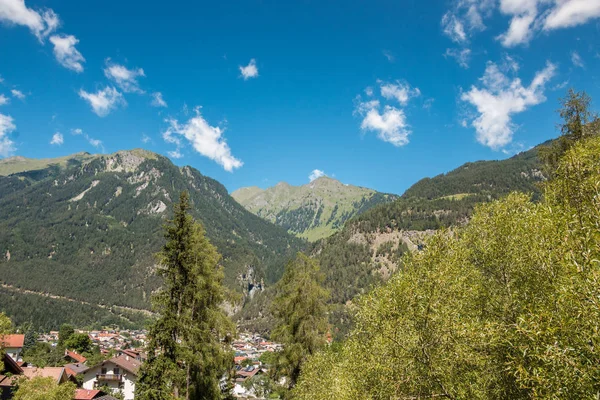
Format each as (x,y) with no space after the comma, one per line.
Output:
(312,211)
(81,232)
(78,233)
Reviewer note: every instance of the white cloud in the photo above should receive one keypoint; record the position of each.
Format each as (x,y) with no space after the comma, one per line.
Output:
(18,94)
(466,17)
(523,15)
(391,125)
(501,97)
(94,142)
(41,24)
(402,92)
(146,139)
(4,100)
(316,174)
(250,70)
(389,55)
(205,139)
(157,100)
(126,79)
(527,17)
(6,127)
(175,154)
(103,101)
(65,52)
(568,13)
(57,139)
(462,56)
(387,121)
(577,60)
(454,28)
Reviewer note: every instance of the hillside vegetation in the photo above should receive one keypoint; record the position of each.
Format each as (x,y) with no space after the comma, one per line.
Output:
(505,307)
(312,211)
(87,229)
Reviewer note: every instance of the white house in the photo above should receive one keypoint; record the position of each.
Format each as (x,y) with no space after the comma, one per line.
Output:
(13,346)
(119,373)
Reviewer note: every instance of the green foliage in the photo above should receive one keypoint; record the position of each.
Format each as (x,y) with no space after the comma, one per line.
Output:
(64,333)
(578,123)
(79,342)
(39,388)
(45,355)
(5,324)
(300,311)
(30,335)
(503,308)
(104,242)
(268,358)
(312,211)
(186,354)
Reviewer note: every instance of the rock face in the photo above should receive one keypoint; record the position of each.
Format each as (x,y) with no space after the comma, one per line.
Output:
(98,221)
(311,211)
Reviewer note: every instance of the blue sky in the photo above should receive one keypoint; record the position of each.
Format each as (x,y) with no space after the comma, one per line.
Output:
(378,94)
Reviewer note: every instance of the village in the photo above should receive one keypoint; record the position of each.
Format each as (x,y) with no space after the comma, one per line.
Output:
(114,378)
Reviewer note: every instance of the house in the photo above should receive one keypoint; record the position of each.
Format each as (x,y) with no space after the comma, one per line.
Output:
(75,369)
(8,377)
(57,373)
(84,394)
(119,374)
(74,357)
(13,345)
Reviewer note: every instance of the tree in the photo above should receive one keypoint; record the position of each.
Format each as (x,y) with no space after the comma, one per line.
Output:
(187,355)
(5,326)
(79,342)
(39,388)
(64,333)
(44,355)
(300,308)
(506,307)
(30,336)
(578,123)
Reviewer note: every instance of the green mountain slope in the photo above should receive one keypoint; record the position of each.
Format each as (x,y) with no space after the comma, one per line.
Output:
(312,211)
(84,229)
(369,248)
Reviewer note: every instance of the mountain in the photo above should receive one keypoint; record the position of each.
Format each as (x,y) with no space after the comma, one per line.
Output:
(78,235)
(312,211)
(369,248)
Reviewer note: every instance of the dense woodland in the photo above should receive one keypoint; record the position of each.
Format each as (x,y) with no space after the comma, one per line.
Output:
(505,307)
(100,249)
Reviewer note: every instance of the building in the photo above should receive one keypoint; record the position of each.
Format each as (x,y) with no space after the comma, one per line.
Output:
(13,346)
(119,374)
(9,375)
(57,373)
(74,357)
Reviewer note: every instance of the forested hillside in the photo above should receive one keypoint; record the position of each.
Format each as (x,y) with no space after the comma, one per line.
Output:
(312,211)
(87,229)
(505,307)
(369,249)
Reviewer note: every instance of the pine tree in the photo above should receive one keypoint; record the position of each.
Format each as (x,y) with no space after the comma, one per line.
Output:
(300,308)
(186,352)
(579,122)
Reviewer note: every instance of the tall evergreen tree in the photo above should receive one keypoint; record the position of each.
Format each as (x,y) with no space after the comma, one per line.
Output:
(300,308)
(186,352)
(578,123)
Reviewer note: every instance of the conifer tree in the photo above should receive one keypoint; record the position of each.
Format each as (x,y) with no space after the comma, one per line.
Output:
(300,308)
(186,352)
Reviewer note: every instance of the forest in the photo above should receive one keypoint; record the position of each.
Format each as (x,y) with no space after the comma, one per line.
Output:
(505,307)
